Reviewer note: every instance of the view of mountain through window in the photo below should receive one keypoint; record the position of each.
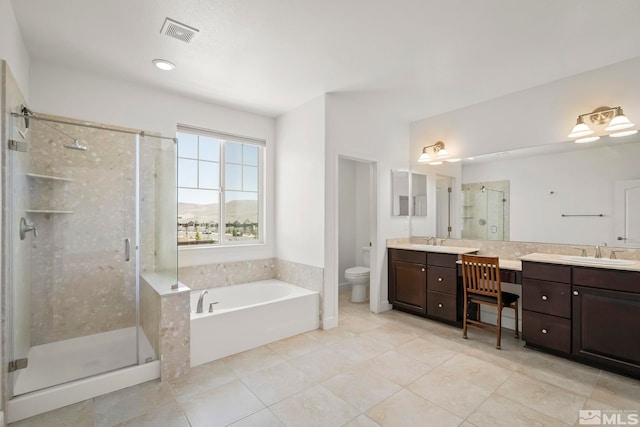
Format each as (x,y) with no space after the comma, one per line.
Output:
(219,190)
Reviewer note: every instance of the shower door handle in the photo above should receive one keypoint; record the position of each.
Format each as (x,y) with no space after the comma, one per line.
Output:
(127,250)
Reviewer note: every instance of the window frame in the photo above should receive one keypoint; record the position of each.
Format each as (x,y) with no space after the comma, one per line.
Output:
(261,166)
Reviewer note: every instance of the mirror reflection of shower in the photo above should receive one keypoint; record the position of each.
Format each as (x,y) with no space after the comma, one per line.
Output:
(485,214)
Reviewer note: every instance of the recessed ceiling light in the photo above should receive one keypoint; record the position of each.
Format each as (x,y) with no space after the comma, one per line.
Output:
(164,65)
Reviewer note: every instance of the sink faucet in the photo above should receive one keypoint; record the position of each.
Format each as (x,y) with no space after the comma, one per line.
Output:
(598,252)
(200,300)
(431,241)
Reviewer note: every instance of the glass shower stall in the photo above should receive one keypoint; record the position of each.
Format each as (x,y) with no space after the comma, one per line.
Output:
(83,206)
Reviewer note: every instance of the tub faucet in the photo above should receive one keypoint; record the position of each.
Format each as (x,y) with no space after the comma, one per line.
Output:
(200,300)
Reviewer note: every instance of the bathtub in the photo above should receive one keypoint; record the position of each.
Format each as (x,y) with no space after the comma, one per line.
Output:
(250,315)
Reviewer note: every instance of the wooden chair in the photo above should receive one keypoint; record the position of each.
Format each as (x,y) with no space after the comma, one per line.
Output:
(481,279)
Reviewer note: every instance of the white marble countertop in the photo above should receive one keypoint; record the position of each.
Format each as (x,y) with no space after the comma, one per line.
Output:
(586,262)
(432,248)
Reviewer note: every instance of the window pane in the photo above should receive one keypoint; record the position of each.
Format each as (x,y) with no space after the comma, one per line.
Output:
(250,178)
(209,173)
(187,173)
(187,145)
(241,222)
(233,152)
(250,154)
(209,149)
(233,177)
(198,216)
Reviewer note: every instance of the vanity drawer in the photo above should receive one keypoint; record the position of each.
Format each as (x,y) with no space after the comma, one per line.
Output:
(442,260)
(615,280)
(546,297)
(550,272)
(546,331)
(417,257)
(442,306)
(442,279)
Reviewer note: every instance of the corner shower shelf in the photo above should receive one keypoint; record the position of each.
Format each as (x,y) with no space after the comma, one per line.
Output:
(50,177)
(47,211)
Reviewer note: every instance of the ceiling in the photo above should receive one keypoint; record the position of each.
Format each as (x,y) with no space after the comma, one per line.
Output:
(418,58)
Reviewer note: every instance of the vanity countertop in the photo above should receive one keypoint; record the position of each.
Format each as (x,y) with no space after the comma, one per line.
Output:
(432,248)
(627,265)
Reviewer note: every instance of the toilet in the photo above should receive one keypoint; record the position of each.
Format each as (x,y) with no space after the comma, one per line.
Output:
(358,277)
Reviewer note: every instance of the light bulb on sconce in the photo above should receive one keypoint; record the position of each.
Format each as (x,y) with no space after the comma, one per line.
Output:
(433,154)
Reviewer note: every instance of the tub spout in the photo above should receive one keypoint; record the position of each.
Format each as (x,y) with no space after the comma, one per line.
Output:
(201,300)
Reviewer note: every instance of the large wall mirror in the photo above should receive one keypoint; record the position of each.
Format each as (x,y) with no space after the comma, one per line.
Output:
(561,193)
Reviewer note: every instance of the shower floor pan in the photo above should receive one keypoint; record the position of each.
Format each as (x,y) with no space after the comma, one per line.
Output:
(69,360)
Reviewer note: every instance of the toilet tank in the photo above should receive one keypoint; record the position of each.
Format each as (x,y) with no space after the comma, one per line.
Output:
(365,255)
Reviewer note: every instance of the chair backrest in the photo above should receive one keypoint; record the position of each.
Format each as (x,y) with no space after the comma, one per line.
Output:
(481,275)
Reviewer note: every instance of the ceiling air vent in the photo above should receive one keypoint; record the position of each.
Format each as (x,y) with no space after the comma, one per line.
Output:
(178,31)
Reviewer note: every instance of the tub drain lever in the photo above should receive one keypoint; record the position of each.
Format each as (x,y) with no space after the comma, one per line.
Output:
(211,306)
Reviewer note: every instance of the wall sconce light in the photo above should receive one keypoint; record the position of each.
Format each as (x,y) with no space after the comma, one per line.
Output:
(614,119)
(434,154)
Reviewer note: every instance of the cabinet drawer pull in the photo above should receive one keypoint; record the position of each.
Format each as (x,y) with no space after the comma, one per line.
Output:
(423,269)
(544,298)
(440,305)
(439,279)
(544,331)
(576,293)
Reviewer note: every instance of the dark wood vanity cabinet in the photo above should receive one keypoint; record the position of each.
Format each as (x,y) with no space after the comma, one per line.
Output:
(408,280)
(546,306)
(606,318)
(425,283)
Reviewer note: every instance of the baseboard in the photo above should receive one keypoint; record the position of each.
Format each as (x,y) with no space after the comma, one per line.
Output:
(329,323)
(385,306)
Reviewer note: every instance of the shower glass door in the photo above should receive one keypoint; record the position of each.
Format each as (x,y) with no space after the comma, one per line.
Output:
(74,270)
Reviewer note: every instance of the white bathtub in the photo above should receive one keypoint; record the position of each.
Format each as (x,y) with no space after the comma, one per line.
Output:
(248,316)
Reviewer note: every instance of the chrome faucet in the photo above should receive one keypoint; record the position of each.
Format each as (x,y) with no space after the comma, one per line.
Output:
(598,252)
(432,241)
(200,300)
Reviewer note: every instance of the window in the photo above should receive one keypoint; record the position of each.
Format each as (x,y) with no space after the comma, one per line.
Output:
(220,196)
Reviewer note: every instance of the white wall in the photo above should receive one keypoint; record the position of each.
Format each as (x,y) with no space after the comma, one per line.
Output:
(360,130)
(83,95)
(347,217)
(363,207)
(12,48)
(300,191)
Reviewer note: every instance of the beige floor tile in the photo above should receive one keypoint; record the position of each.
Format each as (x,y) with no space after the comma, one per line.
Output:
(203,378)
(359,349)
(253,360)
(426,352)
(221,406)
(132,402)
(361,388)
(273,384)
(330,336)
(571,376)
(390,335)
(313,407)
(618,391)
(406,409)
(450,390)
(295,346)
(483,374)
(362,421)
(264,418)
(356,324)
(499,411)
(508,357)
(322,364)
(546,398)
(80,415)
(165,416)
(397,367)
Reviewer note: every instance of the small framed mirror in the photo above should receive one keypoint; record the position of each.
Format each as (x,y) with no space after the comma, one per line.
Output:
(418,194)
(399,193)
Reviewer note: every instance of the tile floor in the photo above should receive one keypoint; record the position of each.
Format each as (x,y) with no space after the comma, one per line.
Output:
(391,369)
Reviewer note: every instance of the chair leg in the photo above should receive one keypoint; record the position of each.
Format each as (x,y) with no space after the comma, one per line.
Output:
(517,331)
(464,319)
(499,328)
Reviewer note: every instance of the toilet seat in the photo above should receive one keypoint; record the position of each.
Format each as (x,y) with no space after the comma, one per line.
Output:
(356,272)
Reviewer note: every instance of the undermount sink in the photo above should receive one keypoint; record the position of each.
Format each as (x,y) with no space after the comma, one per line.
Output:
(418,246)
(599,261)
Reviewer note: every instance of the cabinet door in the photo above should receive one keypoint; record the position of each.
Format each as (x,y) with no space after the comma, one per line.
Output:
(409,286)
(606,327)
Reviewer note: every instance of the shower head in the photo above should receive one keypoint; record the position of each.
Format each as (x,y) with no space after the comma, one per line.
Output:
(76,146)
